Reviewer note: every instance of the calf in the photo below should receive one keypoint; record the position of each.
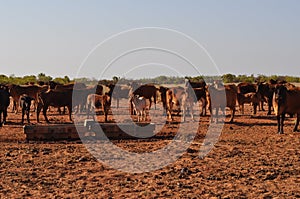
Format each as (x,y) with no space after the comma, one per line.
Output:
(187,101)
(286,102)
(174,97)
(4,103)
(171,102)
(96,101)
(25,103)
(248,98)
(139,105)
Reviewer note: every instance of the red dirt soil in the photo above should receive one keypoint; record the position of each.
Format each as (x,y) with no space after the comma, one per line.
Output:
(250,160)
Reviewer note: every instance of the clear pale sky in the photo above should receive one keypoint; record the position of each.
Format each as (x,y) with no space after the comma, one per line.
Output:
(243,37)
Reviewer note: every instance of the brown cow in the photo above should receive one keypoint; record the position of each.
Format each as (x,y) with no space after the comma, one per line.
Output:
(32,91)
(163,91)
(248,98)
(171,102)
(286,102)
(147,91)
(97,101)
(56,99)
(221,98)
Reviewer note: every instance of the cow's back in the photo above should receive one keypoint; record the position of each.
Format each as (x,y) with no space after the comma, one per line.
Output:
(57,98)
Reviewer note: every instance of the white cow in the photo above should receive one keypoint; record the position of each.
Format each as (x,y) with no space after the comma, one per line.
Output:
(139,105)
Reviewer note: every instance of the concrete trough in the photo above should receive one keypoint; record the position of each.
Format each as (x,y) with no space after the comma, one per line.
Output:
(92,130)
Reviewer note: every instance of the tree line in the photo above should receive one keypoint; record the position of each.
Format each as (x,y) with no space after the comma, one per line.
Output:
(226,78)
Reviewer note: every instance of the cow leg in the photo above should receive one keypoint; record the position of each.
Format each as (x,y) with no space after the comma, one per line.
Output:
(45,113)
(280,121)
(170,114)
(70,113)
(143,115)
(203,105)
(0,119)
(192,113)
(183,111)
(232,115)
(150,103)
(169,110)
(269,107)
(132,111)
(23,113)
(254,108)
(4,116)
(38,110)
(262,105)
(34,105)
(242,109)
(296,123)
(64,110)
(16,107)
(105,115)
(28,118)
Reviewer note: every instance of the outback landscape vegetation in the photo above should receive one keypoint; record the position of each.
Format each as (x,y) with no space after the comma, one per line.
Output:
(226,78)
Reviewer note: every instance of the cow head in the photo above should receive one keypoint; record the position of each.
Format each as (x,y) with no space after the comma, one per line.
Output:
(280,94)
(26,100)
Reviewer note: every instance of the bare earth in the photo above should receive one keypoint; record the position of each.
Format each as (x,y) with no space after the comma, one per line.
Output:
(250,160)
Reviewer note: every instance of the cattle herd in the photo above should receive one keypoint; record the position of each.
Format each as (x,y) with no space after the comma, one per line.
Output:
(281,97)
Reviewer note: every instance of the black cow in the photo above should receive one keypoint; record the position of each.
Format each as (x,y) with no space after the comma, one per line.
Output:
(266,91)
(25,103)
(4,103)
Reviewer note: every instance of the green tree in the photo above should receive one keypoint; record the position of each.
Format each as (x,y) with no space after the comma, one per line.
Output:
(228,78)
(44,78)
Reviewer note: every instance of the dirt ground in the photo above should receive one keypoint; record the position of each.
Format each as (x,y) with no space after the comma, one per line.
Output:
(250,160)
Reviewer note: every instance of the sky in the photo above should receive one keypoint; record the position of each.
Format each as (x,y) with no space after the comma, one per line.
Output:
(241,37)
